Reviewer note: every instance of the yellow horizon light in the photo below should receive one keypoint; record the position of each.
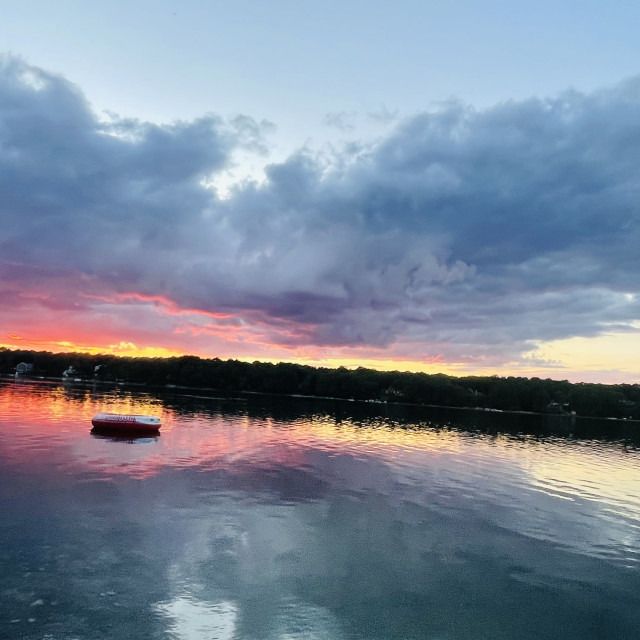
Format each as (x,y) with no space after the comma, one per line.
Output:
(614,351)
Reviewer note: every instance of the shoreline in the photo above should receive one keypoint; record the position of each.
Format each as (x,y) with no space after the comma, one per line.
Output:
(173,387)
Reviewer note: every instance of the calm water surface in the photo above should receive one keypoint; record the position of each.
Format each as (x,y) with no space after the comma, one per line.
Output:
(256,518)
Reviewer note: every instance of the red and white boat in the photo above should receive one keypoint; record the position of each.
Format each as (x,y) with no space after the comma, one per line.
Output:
(126,423)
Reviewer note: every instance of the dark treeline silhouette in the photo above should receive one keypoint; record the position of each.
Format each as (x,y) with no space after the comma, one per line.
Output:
(232,376)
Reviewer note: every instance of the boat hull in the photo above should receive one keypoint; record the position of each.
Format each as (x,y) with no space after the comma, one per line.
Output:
(125,423)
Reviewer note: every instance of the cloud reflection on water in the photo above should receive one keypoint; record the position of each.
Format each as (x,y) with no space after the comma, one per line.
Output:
(196,620)
(251,521)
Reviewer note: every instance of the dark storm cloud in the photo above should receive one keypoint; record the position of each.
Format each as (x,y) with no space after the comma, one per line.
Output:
(508,225)
(520,179)
(97,196)
(465,231)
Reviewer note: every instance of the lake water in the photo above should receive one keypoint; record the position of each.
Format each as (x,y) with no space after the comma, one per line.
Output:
(271,519)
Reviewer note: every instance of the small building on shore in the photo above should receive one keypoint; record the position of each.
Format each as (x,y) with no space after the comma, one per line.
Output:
(24,369)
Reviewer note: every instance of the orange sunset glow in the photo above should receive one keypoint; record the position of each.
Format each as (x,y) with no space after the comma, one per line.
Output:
(138,325)
(165,330)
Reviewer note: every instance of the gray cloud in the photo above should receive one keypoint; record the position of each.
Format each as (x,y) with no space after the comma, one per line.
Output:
(462,232)
(340,120)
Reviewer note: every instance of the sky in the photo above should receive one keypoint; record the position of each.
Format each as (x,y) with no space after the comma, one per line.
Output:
(428,186)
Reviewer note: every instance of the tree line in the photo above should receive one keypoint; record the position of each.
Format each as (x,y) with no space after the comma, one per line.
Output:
(232,376)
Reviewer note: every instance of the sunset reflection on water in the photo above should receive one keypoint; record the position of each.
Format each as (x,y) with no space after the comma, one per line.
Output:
(322,516)
(217,432)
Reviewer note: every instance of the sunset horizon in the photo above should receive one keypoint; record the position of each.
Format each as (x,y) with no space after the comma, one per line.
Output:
(476,221)
(130,350)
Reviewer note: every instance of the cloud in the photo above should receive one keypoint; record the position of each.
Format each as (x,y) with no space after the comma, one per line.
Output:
(383,116)
(251,134)
(340,120)
(463,233)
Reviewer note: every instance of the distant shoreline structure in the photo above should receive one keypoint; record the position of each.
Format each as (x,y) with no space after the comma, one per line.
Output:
(215,393)
(487,393)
